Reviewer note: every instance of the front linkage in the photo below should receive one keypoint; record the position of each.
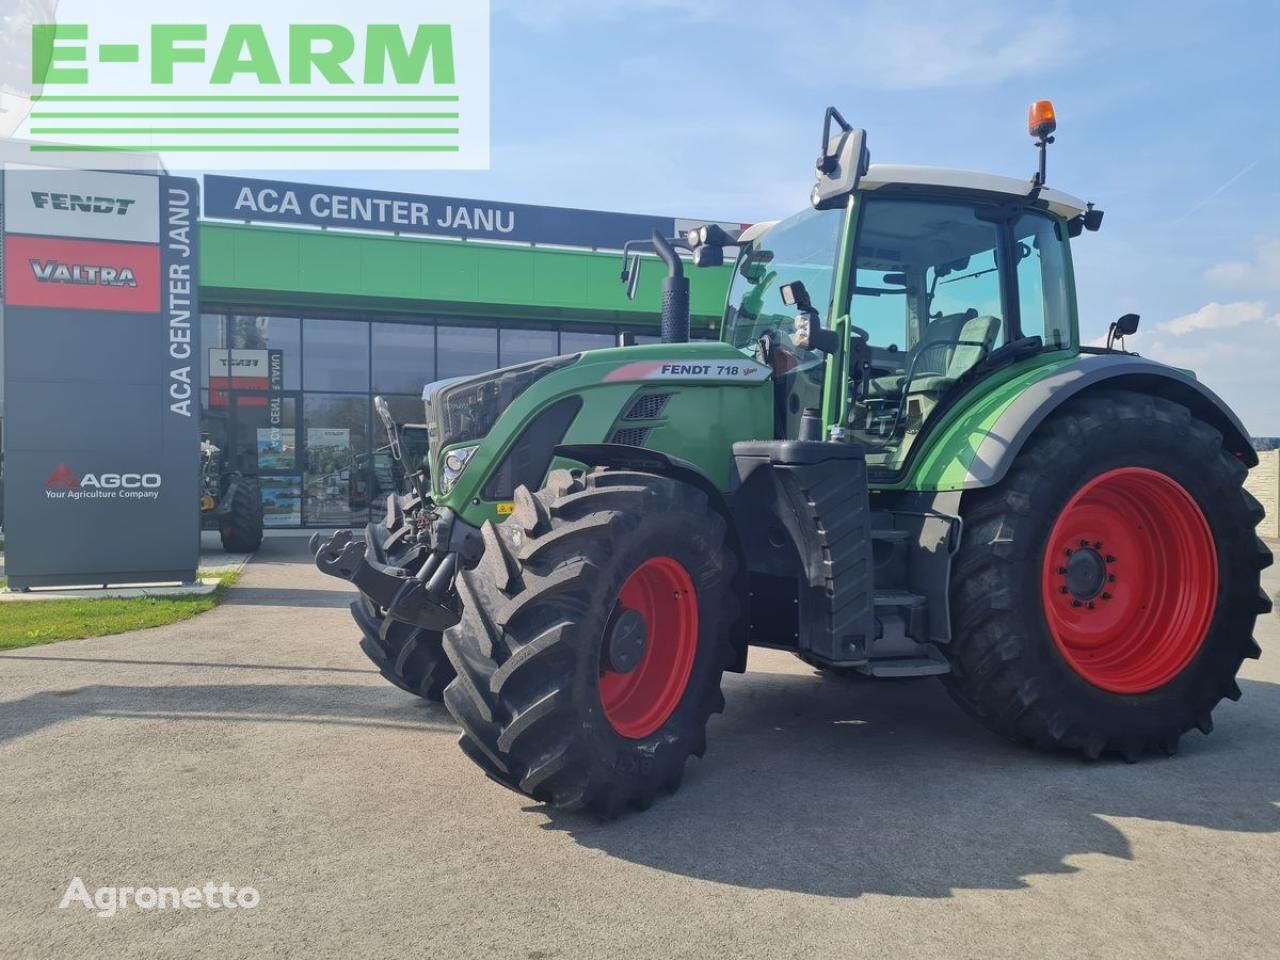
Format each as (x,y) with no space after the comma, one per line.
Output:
(406,564)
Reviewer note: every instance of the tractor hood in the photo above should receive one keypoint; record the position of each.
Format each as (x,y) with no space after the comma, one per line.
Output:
(494,432)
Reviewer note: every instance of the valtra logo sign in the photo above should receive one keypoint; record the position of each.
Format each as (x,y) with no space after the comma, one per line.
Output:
(81,274)
(63,484)
(86,274)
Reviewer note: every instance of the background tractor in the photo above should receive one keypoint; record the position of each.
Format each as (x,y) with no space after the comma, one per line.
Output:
(899,461)
(231,500)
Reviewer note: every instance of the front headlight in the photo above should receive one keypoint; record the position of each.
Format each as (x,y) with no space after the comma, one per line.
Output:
(455,461)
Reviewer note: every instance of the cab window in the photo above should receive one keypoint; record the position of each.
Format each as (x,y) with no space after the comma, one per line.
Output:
(1043,299)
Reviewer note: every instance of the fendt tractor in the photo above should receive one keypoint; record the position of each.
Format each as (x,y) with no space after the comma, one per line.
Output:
(899,461)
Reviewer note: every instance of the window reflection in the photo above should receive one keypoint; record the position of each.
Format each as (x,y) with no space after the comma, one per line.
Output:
(404,357)
(464,351)
(523,346)
(335,355)
(574,341)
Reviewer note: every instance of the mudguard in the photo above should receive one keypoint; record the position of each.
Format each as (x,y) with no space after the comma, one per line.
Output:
(996,451)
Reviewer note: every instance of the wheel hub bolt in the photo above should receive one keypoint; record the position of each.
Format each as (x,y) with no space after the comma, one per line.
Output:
(1085,574)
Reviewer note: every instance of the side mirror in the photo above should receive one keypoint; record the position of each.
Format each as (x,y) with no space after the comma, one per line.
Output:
(842,163)
(808,333)
(632,277)
(794,294)
(389,423)
(1126,326)
(708,257)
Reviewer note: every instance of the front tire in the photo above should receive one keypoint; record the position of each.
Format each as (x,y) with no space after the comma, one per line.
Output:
(1105,592)
(406,655)
(594,635)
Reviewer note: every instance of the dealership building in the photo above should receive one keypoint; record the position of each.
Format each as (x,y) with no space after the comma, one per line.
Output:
(314,299)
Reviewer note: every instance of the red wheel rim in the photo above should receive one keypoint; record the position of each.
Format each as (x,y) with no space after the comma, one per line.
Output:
(638,702)
(1130,580)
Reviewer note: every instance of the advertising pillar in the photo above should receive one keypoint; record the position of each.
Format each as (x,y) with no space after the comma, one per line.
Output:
(102,377)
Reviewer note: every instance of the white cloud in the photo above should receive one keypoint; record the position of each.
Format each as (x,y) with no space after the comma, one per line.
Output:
(1217,316)
(1261,272)
(894,46)
(1232,349)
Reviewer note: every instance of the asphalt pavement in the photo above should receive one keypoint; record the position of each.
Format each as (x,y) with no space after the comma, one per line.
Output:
(256,746)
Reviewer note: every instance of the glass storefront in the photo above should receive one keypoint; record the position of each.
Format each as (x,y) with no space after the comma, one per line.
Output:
(292,396)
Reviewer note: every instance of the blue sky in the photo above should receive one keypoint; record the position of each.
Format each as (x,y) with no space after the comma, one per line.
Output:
(1167,120)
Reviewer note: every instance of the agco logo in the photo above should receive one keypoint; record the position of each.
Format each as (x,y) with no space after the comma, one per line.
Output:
(65,485)
(62,479)
(75,203)
(85,275)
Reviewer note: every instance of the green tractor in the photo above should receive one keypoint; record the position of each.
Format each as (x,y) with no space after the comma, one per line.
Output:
(899,461)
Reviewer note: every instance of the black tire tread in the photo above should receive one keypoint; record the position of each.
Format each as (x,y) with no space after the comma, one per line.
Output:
(241,528)
(991,676)
(516,694)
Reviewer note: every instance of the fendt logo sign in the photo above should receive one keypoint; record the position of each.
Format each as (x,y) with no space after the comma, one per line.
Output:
(320,84)
(119,206)
(63,484)
(82,204)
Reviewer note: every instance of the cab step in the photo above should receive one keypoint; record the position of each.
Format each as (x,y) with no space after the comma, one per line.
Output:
(908,667)
(891,535)
(898,598)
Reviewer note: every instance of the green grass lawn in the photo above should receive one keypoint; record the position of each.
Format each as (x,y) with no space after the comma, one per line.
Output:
(48,621)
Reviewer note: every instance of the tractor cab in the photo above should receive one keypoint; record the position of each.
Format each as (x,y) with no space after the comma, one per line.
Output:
(922,282)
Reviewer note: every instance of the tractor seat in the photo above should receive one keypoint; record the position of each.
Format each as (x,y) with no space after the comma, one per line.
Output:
(936,334)
(976,336)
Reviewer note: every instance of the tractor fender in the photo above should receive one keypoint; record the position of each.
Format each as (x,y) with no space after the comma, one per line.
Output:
(622,457)
(1001,444)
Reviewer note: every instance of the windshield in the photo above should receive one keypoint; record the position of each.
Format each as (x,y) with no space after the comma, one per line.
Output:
(802,248)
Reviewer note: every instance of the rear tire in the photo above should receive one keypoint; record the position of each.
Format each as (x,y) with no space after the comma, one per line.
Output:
(241,526)
(1126,653)
(542,708)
